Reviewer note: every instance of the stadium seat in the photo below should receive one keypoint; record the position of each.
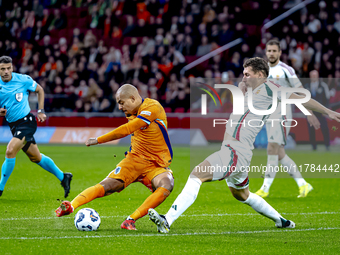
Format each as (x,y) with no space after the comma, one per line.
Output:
(115,42)
(54,34)
(189,59)
(72,22)
(82,12)
(122,22)
(83,23)
(167,109)
(70,12)
(63,33)
(179,110)
(127,40)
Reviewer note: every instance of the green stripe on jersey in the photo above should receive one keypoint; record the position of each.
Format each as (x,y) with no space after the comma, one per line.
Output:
(269,91)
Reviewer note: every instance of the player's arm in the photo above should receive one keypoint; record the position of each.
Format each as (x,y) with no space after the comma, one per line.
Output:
(243,87)
(316,106)
(312,119)
(41,100)
(120,132)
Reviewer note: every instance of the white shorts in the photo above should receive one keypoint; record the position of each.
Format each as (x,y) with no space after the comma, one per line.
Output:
(276,132)
(231,163)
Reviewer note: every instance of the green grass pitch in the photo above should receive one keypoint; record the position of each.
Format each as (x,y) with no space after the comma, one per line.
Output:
(215,224)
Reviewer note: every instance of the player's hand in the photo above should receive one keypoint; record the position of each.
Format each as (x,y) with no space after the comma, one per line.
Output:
(313,121)
(41,117)
(3,112)
(243,87)
(334,116)
(91,141)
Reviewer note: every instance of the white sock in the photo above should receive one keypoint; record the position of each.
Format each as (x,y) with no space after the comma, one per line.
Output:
(272,163)
(184,200)
(262,207)
(293,170)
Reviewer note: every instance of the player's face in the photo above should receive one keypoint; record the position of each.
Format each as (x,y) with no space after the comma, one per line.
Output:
(126,104)
(6,71)
(273,54)
(250,78)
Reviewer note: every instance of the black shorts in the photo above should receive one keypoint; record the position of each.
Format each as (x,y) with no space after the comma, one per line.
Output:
(24,127)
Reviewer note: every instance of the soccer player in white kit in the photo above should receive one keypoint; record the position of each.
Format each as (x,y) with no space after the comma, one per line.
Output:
(285,76)
(236,151)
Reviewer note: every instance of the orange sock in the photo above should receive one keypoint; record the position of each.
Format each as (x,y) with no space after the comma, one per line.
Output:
(88,195)
(154,200)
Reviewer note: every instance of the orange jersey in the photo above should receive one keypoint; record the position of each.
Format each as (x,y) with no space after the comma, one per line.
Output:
(152,142)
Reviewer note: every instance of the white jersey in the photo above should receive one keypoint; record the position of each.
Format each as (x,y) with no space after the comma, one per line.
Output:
(245,128)
(284,75)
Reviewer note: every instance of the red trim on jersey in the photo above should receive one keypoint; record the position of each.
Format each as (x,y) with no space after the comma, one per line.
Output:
(243,183)
(277,85)
(290,69)
(233,166)
(239,127)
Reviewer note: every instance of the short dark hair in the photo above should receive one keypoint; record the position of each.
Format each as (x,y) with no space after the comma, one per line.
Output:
(5,60)
(274,42)
(258,65)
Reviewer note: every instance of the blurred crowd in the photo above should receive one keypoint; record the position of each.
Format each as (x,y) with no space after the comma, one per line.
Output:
(81,51)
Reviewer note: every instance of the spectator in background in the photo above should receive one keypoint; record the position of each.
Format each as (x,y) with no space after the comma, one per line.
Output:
(90,39)
(58,22)
(129,26)
(316,59)
(204,47)
(314,24)
(320,92)
(226,34)
(337,22)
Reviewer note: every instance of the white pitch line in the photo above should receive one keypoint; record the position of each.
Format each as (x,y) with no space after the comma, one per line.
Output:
(191,215)
(164,235)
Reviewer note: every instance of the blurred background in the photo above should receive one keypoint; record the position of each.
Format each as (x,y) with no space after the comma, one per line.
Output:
(82,51)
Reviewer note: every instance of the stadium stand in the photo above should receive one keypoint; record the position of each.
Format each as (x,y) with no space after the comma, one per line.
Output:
(81,51)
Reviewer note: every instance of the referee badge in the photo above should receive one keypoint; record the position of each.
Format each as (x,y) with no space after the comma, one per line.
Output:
(19,96)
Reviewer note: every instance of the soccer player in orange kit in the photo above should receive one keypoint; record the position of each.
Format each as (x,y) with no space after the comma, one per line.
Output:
(147,161)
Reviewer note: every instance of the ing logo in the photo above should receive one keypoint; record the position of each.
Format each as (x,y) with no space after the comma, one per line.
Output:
(204,97)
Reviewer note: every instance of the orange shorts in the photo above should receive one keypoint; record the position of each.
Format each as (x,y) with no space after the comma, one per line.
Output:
(135,169)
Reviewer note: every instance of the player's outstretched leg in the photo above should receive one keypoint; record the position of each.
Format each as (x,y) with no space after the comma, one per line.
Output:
(288,163)
(154,200)
(164,184)
(48,164)
(86,196)
(160,221)
(6,171)
(261,206)
(304,190)
(128,224)
(66,183)
(65,208)
(272,162)
(182,202)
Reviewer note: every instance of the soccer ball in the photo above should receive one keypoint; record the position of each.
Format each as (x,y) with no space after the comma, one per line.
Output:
(87,219)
